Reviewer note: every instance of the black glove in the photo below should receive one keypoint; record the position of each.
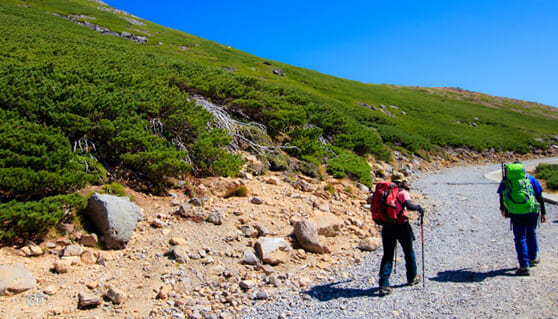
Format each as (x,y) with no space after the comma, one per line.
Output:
(421,211)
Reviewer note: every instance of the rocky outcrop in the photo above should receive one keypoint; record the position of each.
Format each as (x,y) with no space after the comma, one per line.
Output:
(114,217)
(103,30)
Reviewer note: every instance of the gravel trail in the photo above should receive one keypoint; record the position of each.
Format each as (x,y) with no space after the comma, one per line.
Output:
(470,264)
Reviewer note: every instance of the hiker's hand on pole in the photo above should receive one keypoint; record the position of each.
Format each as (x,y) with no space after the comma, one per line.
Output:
(421,211)
(503,213)
(543,218)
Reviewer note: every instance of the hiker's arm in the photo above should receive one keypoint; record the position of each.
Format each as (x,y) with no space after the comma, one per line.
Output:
(502,207)
(540,199)
(412,206)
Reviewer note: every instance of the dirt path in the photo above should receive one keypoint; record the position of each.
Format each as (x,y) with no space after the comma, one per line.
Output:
(470,264)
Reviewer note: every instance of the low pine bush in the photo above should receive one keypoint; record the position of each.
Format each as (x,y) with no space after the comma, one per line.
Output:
(37,161)
(33,218)
(548,172)
(347,164)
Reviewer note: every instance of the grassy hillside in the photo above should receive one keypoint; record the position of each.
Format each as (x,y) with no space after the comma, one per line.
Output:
(87,91)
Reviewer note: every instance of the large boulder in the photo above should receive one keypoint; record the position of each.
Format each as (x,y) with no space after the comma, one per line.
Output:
(15,279)
(327,223)
(114,217)
(273,250)
(306,234)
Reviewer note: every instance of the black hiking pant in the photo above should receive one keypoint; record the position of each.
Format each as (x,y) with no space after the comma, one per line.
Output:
(391,234)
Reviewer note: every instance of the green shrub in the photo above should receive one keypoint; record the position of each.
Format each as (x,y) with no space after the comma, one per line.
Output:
(552,182)
(114,189)
(33,218)
(309,169)
(211,159)
(307,142)
(37,161)
(548,172)
(278,162)
(241,191)
(347,164)
(399,136)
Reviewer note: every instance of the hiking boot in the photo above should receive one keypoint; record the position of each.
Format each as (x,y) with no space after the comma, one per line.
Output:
(533,263)
(413,282)
(384,291)
(523,271)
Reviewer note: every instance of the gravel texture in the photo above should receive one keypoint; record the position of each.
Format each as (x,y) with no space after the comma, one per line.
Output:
(470,262)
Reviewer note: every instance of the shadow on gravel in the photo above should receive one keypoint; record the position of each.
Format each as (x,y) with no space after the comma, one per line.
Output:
(465,275)
(329,291)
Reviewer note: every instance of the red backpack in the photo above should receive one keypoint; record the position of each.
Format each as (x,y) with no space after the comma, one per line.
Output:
(384,201)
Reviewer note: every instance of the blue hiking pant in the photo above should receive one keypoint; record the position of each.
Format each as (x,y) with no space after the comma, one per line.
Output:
(525,237)
(391,234)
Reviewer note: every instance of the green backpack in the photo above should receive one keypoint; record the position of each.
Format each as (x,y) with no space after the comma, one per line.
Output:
(518,194)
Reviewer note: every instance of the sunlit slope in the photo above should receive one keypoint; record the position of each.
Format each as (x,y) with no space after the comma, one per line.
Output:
(77,65)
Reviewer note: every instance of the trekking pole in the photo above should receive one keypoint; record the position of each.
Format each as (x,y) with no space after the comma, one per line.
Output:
(422,240)
(395,258)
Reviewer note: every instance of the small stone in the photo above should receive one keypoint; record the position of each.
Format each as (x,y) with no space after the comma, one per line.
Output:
(267,269)
(50,290)
(115,295)
(88,257)
(50,245)
(157,223)
(26,251)
(261,295)
(62,266)
(63,242)
(88,300)
(272,181)
(247,284)
(92,285)
(262,230)
(274,280)
(180,254)
(249,231)
(370,244)
(89,240)
(256,200)
(73,250)
(249,257)
(36,250)
(178,241)
(215,218)
(164,292)
(195,201)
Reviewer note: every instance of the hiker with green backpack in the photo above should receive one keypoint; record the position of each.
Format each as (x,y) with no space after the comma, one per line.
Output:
(521,200)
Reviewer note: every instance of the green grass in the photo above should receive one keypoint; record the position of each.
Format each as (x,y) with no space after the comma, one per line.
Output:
(76,104)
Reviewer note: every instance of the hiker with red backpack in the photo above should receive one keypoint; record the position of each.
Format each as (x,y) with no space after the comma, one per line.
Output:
(390,202)
(521,200)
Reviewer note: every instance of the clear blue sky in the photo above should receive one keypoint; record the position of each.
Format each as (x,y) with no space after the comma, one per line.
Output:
(501,47)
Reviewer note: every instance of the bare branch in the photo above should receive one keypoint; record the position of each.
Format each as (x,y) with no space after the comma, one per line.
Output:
(242,133)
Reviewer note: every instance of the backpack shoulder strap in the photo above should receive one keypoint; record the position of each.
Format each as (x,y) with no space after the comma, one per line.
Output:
(400,203)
